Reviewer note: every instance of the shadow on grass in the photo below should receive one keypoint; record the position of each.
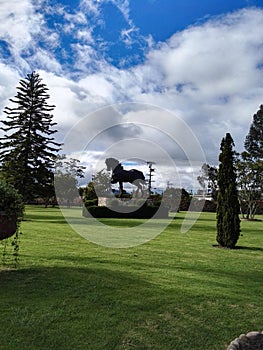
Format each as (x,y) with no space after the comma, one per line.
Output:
(56,218)
(249,248)
(259,249)
(64,281)
(96,308)
(65,308)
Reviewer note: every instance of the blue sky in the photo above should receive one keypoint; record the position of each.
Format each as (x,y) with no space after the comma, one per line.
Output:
(200,61)
(123,30)
(142,19)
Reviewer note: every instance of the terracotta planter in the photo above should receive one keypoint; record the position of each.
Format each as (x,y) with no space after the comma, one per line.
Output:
(8,225)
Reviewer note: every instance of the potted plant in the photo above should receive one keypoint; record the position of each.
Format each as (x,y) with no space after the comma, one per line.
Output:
(11,210)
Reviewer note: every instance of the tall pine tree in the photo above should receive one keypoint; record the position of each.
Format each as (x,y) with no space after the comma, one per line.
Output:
(250,167)
(254,139)
(228,222)
(27,149)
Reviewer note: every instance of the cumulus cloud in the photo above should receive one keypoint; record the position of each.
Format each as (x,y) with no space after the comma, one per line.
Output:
(202,60)
(208,75)
(90,6)
(211,74)
(18,22)
(8,81)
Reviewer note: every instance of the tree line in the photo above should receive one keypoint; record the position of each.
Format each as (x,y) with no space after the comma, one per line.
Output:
(29,155)
(249,170)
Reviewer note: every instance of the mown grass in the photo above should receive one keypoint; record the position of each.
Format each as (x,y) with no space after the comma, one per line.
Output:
(175,292)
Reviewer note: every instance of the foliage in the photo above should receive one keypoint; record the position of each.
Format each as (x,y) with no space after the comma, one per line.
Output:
(203,205)
(66,189)
(254,139)
(102,183)
(27,151)
(250,168)
(143,212)
(228,222)
(176,198)
(10,200)
(100,186)
(10,250)
(249,178)
(66,183)
(69,166)
(89,193)
(11,205)
(91,202)
(185,200)
(208,179)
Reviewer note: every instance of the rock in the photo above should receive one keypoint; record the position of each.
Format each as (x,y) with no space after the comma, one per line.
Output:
(250,341)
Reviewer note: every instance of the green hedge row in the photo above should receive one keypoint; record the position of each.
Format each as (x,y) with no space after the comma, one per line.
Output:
(144,212)
(91,202)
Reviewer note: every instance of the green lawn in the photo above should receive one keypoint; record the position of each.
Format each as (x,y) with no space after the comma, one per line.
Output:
(175,292)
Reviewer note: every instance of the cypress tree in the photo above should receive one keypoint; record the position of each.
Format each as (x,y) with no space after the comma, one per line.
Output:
(228,222)
(27,149)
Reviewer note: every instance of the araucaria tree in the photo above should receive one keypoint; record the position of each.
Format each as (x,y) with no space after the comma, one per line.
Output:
(228,222)
(27,149)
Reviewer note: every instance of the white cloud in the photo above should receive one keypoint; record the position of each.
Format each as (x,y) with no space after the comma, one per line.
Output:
(8,81)
(18,22)
(90,6)
(85,35)
(45,60)
(126,35)
(22,27)
(203,59)
(209,74)
(77,18)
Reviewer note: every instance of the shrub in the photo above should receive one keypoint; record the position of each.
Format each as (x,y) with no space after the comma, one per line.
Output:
(203,205)
(10,201)
(91,202)
(11,212)
(144,212)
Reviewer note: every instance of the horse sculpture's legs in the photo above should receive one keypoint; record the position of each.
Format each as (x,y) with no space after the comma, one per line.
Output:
(137,192)
(139,186)
(121,188)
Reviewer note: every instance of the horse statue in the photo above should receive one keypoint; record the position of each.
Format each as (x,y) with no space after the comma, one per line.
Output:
(120,175)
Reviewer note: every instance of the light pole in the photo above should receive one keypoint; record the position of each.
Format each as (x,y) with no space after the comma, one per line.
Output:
(150,181)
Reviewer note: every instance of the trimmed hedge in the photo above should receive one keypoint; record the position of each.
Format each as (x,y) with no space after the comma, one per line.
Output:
(91,202)
(144,212)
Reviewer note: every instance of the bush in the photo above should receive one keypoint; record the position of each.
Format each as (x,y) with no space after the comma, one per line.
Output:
(157,203)
(203,205)
(11,213)
(140,202)
(144,212)
(260,208)
(11,201)
(113,203)
(91,202)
